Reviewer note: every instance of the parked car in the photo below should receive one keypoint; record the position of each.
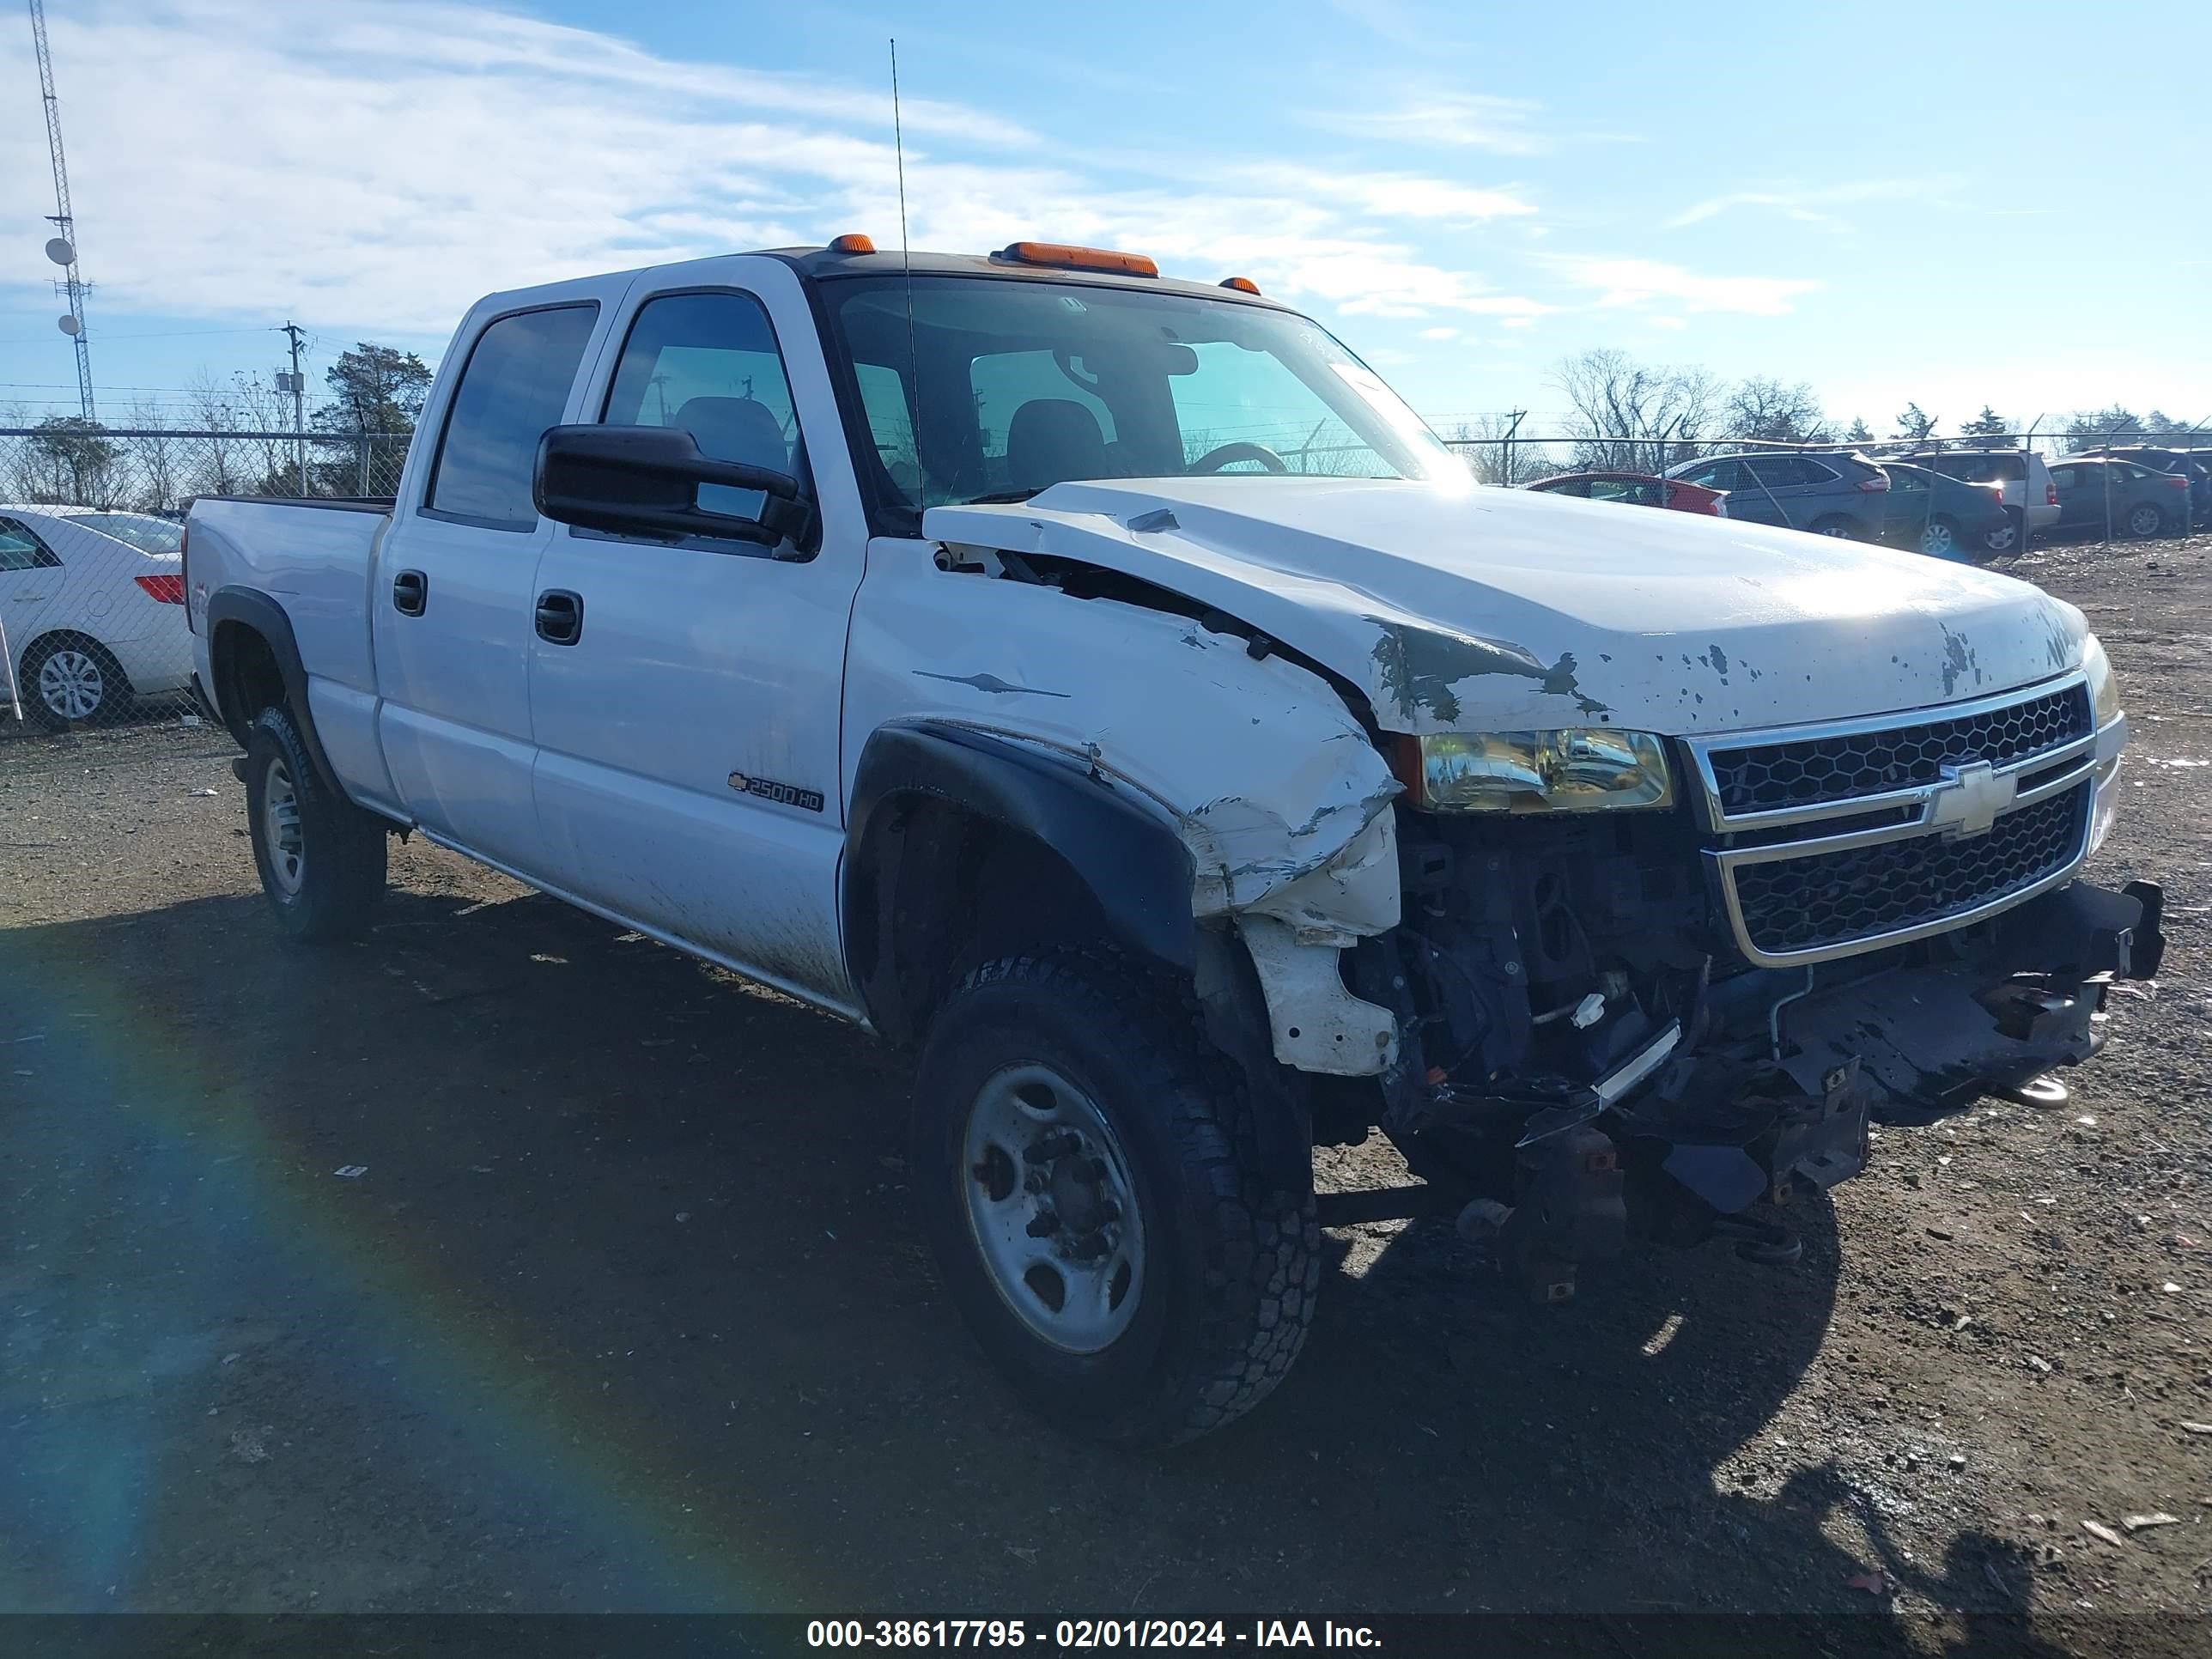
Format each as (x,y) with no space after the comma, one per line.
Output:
(2030,498)
(2114,497)
(1939,515)
(1829,494)
(1636,489)
(93,605)
(1613,865)
(2194,465)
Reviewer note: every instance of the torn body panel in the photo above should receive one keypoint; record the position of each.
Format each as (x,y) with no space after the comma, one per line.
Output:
(1254,762)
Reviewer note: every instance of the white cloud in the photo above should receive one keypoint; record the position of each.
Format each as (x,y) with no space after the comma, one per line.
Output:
(1639,281)
(1462,120)
(1808,205)
(1446,333)
(379,168)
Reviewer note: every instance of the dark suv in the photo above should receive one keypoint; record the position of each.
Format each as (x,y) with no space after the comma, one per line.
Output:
(2194,465)
(1827,495)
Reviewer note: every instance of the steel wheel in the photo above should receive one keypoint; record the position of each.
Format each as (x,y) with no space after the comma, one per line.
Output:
(1936,540)
(1052,1209)
(2144,520)
(71,684)
(287,844)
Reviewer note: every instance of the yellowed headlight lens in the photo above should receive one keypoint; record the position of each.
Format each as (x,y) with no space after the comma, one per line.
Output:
(1574,770)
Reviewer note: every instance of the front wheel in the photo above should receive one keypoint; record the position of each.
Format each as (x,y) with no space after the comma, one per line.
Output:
(1090,1183)
(321,858)
(2145,521)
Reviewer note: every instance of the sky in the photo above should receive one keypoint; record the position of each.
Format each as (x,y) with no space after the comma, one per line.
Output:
(1948,204)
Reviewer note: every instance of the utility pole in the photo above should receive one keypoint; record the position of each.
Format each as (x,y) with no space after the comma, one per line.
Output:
(298,386)
(61,249)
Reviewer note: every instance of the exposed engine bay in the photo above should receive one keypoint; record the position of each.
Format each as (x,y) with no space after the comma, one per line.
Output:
(1586,1053)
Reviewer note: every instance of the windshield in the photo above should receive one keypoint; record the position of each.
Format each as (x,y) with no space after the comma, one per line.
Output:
(1026,383)
(142,530)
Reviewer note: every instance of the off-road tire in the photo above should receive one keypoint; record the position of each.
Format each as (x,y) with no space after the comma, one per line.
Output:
(1232,1259)
(342,862)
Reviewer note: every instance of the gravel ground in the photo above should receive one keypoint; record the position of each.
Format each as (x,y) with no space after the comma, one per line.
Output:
(503,1261)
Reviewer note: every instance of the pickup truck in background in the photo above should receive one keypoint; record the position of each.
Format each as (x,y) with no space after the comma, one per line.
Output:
(1105,687)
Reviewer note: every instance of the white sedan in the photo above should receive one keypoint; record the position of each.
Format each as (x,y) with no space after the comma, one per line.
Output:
(93,606)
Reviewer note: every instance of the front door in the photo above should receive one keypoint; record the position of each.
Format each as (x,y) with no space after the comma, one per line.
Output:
(686,696)
(451,597)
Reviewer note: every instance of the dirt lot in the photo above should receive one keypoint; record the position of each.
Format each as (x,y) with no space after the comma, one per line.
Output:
(623,1306)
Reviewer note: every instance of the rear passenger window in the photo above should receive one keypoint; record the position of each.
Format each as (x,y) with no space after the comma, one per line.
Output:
(20,550)
(515,387)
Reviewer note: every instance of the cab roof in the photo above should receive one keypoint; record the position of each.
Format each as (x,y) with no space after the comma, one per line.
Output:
(829,263)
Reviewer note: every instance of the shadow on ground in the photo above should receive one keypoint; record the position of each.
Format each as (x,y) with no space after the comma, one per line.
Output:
(504,1261)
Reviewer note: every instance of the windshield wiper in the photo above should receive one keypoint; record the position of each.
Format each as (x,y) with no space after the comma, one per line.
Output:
(999,496)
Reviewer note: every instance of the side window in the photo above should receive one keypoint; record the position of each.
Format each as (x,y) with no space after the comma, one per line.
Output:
(515,385)
(709,364)
(21,550)
(1713,475)
(1905,478)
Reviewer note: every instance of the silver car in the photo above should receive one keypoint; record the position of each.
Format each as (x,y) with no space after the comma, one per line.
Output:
(2031,499)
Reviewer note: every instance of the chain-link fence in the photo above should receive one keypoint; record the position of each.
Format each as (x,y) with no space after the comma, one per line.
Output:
(92,587)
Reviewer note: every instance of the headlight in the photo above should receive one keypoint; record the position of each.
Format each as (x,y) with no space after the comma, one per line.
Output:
(1577,769)
(2103,690)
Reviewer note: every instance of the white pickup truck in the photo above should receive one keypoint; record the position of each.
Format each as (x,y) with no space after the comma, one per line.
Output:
(1104,686)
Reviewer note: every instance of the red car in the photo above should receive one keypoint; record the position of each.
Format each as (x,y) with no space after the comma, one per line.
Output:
(1637,489)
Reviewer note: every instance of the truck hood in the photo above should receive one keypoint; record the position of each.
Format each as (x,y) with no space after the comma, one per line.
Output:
(1481,609)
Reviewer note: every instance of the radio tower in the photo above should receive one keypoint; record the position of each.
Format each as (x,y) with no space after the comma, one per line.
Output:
(61,250)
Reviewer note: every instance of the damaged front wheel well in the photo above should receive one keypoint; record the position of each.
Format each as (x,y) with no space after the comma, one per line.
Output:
(964,846)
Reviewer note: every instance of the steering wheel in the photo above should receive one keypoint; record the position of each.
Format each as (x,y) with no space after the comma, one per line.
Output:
(1225,454)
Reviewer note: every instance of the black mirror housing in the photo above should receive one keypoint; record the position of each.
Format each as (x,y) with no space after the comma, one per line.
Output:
(644,481)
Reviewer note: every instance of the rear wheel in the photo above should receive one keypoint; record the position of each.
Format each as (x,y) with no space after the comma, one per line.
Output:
(1090,1183)
(2004,537)
(321,858)
(68,680)
(2144,520)
(1836,526)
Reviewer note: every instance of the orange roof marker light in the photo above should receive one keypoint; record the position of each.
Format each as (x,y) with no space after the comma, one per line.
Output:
(1243,285)
(1079,259)
(853,242)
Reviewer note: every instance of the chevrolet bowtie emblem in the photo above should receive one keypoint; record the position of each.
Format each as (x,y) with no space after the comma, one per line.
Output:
(1970,799)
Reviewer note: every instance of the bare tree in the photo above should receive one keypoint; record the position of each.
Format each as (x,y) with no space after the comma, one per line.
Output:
(156,465)
(1632,416)
(1770,411)
(1495,457)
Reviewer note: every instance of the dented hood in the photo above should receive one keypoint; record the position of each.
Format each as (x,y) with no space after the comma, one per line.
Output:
(1477,608)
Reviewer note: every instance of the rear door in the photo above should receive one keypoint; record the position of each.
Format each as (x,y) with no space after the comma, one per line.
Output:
(452,597)
(687,696)
(30,589)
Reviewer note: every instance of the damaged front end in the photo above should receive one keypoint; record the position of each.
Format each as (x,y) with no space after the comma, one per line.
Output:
(1669,1022)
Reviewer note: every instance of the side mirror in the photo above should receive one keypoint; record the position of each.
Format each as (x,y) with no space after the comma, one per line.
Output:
(645,480)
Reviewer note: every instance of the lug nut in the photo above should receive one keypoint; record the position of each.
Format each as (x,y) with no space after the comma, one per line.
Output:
(1043,1225)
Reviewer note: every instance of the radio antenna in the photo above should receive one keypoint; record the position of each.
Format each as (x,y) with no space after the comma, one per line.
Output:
(906,263)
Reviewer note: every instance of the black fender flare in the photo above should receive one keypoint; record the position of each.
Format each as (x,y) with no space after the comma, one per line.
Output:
(1129,864)
(1134,871)
(254,609)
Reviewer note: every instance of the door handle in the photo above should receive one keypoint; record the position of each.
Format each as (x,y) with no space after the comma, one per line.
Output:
(559,616)
(410,592)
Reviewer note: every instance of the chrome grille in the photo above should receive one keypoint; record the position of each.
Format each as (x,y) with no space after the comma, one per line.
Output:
(1825,899)
(1846,837)
(1808,771)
